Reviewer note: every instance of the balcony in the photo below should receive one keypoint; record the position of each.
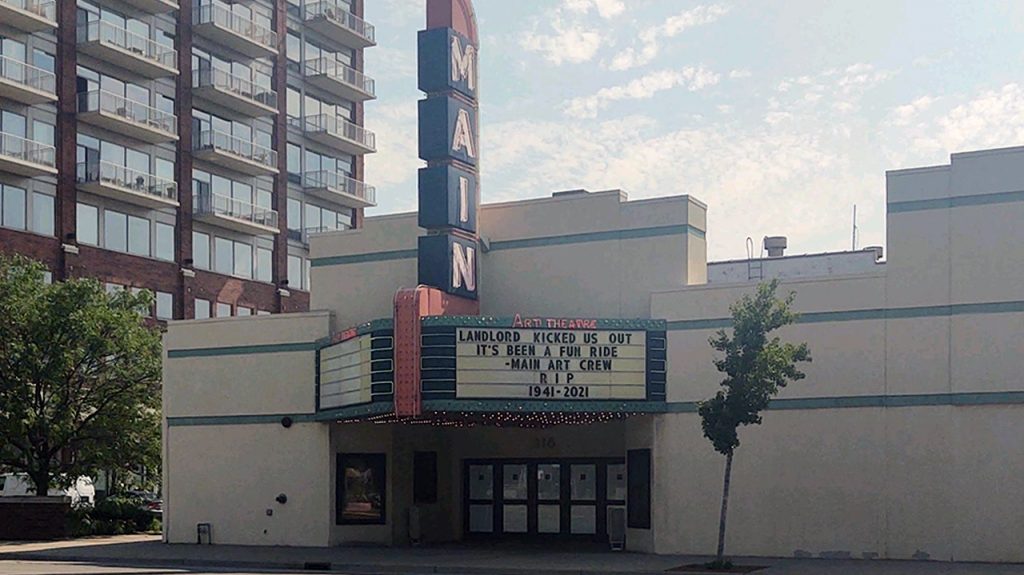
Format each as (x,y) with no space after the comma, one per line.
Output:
(111,43)
(122,183)
(25,157)
(128,117)
(26,84)
(234,31)
(339,134)
(339,189)
(227,212)
(153,6)
(305,235)
(235,153)
(339,79)
(29,15)
(334,21)
(233,93)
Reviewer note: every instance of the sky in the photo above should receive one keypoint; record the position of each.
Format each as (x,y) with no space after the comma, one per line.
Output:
(780,116)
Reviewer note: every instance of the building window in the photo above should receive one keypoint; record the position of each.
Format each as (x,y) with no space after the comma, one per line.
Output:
(294,163)
(12,207)
(202,309)
(361,489)
(138,236)
(223,256)
(115,231)
(47,277)
(295,272)
(294,215)
(223,309)
(42,214)
(243,311)
(262,312)
(264,257)
(164,242)
(164,305)
(201,250)
(87,221)
(243,260)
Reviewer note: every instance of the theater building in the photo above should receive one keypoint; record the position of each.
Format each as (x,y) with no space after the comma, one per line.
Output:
(564,407)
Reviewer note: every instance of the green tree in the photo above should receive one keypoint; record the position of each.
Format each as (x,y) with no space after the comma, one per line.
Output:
(755,368)
(79,377)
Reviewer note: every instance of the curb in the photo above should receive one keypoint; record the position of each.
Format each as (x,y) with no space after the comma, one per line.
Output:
(316,566)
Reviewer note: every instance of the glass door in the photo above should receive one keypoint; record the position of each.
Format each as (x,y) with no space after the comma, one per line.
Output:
(549,498)
(542,498)
(481,498)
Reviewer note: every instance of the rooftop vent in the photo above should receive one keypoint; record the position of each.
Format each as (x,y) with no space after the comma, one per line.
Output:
(578,192)
(775,245)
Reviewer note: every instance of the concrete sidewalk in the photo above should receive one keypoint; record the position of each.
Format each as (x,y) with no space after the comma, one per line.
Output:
(463,559)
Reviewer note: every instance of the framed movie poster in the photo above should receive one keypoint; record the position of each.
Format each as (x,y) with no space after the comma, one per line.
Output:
(361,489)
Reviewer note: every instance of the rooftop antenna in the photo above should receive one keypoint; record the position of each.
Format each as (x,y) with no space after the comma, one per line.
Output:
(855,231)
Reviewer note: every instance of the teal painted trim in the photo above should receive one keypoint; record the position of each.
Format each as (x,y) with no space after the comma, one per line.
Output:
(486,321)
(861,401)
(956,202)
(242,350)
(363,258)
(356,411)
(868,314)
(502,405)
(376,325)
(637,407)
(609,235)
(237,419)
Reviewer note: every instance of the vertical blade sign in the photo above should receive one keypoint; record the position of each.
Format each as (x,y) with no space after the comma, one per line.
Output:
(449,134)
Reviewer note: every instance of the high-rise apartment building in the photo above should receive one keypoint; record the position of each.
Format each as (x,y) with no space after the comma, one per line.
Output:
(188,147)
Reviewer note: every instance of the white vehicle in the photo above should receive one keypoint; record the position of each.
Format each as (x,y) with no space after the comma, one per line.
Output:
(19,485)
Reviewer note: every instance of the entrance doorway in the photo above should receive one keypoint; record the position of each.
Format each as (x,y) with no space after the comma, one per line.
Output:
(542,498)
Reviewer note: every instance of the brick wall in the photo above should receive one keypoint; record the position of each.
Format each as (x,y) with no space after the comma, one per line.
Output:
(34,518)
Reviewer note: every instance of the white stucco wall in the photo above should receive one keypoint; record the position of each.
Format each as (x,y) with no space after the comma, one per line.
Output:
(936,334)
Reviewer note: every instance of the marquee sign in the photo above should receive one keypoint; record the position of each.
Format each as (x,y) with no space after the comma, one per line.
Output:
(543,359)
(449,142)
(358,368)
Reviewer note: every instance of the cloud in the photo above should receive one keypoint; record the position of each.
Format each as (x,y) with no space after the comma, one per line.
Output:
(737,74)
(903,115)
(396,12)
(605,8)
(758,182)
(692,78)
(396,161)
(991,119)
(570,42)
(633,57)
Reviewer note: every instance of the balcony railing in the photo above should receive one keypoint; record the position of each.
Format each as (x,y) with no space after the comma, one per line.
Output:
(206,202)
(222,17)
(305,234)
(241,87)
(27,75)
(339,14)
(340,183)
(342,128)
(19,148)
(130,110)
(47,9)
(346,74)
(110,174)
(243,148)
(109,33)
